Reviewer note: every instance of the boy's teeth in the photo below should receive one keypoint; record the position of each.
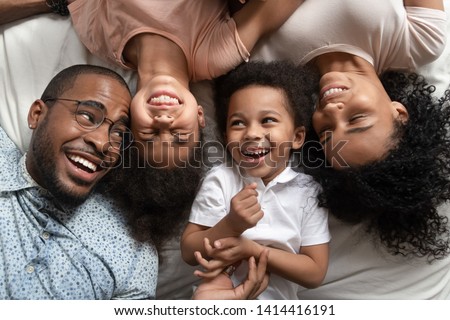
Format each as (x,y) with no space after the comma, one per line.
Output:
(164,99)
(88,164)
(255,153)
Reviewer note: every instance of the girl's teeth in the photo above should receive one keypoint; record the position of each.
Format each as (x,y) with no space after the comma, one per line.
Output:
(164,99)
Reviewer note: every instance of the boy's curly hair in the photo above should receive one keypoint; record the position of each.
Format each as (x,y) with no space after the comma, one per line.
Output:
(297,82)
(397,197)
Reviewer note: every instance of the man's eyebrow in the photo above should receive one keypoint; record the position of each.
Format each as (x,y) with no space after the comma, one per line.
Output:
(124,119)
(94,102)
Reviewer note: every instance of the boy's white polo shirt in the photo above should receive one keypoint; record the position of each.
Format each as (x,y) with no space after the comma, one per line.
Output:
(292,217)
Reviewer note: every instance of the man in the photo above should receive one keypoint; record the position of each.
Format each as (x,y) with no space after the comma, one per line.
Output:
(59,238)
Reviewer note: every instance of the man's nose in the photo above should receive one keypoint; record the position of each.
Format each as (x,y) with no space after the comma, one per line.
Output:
(99,138)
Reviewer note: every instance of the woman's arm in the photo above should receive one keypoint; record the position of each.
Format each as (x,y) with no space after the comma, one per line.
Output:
(258,17)
(12,10)
(432,4)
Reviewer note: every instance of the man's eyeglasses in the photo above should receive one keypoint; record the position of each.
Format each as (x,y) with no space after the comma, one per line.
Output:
(90,115)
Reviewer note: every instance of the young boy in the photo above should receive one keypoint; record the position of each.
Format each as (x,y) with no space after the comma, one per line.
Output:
(258,201)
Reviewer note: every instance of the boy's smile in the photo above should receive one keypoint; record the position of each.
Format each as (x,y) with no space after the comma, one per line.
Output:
(260,131)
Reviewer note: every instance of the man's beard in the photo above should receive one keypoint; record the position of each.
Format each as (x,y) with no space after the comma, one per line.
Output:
(45,164)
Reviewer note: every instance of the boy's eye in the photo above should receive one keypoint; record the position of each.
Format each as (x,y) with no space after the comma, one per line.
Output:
(236,123)
(269,120)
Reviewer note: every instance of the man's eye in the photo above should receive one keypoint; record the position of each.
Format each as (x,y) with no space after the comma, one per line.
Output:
(86,117)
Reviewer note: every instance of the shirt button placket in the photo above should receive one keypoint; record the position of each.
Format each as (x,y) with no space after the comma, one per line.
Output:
(30,269)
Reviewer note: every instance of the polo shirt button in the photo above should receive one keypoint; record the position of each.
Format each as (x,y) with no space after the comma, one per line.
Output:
(45,235)
(30,269)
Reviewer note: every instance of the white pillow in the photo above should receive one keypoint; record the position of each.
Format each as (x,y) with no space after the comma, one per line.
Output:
(32,51)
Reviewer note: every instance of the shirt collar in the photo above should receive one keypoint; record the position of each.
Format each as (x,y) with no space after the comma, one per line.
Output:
(19,178)
(24,172)
(285,176)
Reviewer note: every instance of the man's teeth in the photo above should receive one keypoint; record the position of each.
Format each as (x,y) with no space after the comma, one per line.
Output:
(332,90)
(164,99)
(90,165)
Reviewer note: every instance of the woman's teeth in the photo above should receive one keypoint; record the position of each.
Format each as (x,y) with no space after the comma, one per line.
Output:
(332,90)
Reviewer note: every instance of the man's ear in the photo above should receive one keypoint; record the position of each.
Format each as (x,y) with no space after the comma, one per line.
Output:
(201,117)
(37,112)
(299,137)
(400,111)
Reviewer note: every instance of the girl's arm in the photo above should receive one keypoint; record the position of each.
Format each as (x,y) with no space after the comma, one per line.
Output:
(432,4)
(259,17)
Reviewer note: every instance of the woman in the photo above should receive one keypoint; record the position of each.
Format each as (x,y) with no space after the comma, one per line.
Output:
(384,162)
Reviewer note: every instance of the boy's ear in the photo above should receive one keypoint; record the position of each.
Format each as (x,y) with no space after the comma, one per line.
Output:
(36,113)
(299,137)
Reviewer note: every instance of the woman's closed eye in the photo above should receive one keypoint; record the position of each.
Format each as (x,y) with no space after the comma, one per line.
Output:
(324,135)
(357,118)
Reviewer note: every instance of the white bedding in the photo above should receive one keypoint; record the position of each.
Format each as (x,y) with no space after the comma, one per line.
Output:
(32,51)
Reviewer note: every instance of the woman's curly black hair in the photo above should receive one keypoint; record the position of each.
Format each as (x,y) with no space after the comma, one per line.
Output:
(397,197)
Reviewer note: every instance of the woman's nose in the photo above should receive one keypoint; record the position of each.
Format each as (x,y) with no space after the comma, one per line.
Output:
(333,107)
